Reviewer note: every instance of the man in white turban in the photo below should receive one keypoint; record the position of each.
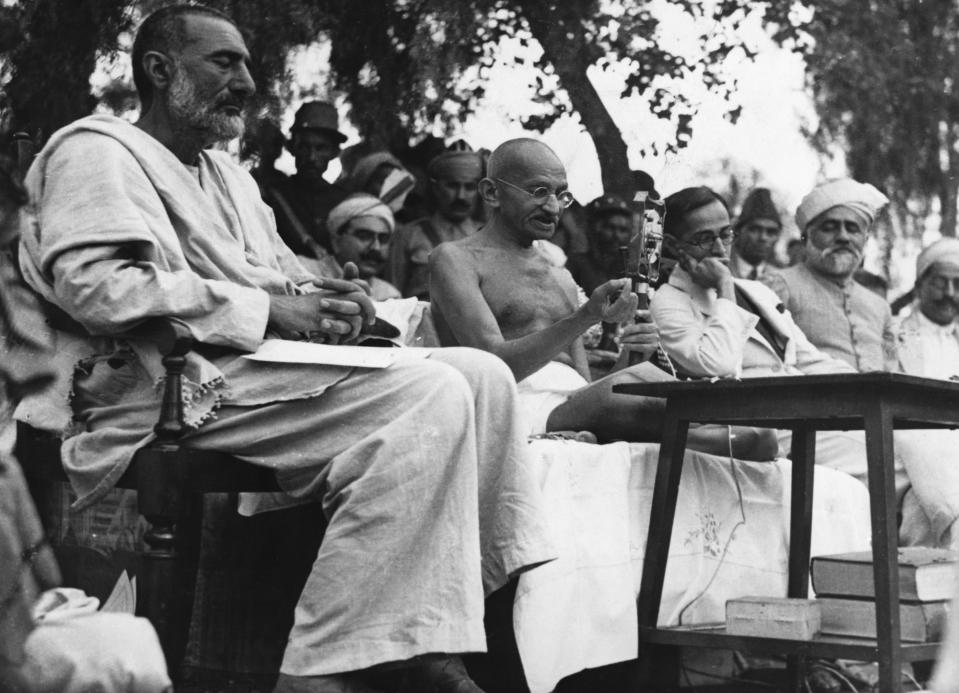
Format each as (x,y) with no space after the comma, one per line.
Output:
(850,322)
(361,228)
(838,315)
(928,336)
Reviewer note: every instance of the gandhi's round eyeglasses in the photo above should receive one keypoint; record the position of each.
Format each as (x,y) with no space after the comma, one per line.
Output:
(541,194)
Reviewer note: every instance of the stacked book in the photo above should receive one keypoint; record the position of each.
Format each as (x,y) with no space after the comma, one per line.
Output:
(845,590)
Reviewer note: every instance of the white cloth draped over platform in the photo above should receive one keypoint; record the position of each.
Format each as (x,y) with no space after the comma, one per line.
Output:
(580,610)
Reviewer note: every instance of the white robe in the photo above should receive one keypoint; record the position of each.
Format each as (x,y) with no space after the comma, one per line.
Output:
(421,467)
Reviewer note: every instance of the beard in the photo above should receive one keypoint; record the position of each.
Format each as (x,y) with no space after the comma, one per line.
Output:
(838,262)
(188,109)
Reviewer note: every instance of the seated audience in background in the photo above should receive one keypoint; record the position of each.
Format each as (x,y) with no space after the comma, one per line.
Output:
(349,156)
(836,313)
(794,252)
(757,230)
(495,291)
(928,338)
(713,325)
(382,175)
(453,179)
(571,234)
(302,202)
(416,158)
(361,227)
(610,226)
(902,301)
(426,512)
(264,143)
(871,281)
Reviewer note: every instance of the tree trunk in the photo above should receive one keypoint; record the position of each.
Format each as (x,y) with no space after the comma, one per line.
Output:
(949,187)
(566,47)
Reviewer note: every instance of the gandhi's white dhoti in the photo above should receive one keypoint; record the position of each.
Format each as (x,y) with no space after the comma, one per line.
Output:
(544,390)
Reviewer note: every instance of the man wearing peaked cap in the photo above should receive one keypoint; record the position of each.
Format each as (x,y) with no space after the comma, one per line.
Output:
(757,230)
(610,226)
(302,202)
(454,177)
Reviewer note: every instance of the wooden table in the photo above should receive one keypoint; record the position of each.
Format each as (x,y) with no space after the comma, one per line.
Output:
(874,402)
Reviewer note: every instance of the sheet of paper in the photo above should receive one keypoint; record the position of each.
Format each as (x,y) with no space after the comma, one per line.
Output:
(123,598)
(288,351)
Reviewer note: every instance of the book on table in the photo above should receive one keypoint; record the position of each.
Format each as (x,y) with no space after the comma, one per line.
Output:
(925,574)
(918,621)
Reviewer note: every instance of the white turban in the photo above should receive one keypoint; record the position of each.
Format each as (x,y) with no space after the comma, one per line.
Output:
(862,198)
(945,250)
(356,207)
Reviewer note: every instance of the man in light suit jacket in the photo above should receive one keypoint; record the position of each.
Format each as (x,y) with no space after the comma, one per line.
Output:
(713,325)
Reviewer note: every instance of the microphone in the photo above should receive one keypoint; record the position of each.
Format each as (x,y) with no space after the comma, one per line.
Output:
(644,252)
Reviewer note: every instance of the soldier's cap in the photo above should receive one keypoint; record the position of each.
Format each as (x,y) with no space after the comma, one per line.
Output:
(318,115)
(604,205)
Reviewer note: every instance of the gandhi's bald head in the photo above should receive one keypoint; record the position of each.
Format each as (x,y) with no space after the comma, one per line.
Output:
(525,189)
(520,156)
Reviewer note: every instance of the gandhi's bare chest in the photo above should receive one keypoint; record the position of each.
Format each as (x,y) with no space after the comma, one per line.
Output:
(526,296)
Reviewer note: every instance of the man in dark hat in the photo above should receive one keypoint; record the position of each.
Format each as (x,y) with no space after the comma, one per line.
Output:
(264,143)
(303,202)
(610,227)
(757,230)
(454,177)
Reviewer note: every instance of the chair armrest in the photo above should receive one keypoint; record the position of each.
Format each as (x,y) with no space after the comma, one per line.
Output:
(172,336)
(174,340)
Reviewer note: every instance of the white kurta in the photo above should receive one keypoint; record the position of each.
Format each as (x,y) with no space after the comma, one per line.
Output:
(421,467)
(710,336)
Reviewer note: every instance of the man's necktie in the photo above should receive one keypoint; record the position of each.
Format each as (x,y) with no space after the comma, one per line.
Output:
(753,273)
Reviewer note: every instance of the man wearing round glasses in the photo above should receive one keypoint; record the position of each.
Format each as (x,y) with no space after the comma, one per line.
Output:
(496,291)
(361,227)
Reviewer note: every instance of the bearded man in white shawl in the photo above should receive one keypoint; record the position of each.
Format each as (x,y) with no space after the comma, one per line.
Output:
(420,466)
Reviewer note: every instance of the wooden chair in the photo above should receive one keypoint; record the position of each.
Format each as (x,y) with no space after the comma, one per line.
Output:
(170,482)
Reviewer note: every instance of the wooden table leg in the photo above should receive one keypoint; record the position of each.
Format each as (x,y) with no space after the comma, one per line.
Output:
(665,492)
(803,457)
(880,453)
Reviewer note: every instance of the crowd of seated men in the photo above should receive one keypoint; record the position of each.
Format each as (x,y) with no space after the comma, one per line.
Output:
(427,514)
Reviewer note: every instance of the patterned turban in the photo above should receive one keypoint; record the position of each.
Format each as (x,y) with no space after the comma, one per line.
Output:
(355,207)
